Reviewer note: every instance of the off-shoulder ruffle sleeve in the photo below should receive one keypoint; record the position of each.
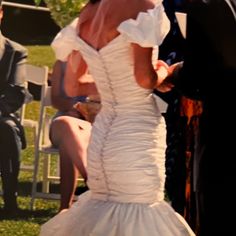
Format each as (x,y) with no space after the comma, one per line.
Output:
(149,29)
(65,41)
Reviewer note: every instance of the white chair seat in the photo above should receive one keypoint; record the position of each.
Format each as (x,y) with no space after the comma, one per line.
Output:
(48,149)
(30,123)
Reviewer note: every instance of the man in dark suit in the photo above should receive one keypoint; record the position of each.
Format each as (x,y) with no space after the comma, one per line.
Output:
(12,96)
(209,74)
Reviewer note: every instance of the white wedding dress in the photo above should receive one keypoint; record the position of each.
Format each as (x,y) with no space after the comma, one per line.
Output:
(126,155)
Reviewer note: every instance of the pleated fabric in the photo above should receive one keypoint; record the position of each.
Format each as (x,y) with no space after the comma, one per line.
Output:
(126,154)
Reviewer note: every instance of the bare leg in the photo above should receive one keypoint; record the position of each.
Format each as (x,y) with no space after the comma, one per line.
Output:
(69,174)
(71,136)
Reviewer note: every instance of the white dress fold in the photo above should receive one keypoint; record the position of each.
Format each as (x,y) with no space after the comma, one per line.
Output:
(65,41)
(148,29)
(126,154)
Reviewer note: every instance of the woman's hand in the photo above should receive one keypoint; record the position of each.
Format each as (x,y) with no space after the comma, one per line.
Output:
(173,66)
(165,86)
(162,73)
(88,109)
(161,63)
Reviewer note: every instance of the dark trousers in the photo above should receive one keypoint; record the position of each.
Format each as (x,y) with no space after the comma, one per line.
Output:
(215,192)
(214,211)
(10,148)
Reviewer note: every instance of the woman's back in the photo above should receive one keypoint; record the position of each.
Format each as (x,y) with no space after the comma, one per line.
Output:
(99,21)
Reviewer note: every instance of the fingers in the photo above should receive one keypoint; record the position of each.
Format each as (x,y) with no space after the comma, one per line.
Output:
(172,67)
(164,83)
(162,73)
(161,63)
(165,87)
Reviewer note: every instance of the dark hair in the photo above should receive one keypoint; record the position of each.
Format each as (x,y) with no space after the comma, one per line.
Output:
(0,3)
(91,1)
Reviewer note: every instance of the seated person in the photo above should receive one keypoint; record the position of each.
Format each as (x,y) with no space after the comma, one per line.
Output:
(12,96)
(70,132)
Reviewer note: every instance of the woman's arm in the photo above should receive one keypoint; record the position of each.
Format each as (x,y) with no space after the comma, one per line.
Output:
(75,69)
(146,75)
(59,101)
(78,82)
(144,71)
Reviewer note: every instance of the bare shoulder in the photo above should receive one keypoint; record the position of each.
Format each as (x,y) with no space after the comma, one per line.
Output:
(149,3)
(138,6)
(88,11)
(144,5)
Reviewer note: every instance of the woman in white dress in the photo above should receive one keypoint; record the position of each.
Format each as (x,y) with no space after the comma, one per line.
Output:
(118,42)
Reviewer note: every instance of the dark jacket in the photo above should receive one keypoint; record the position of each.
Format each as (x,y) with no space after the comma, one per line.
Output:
(209,74)
(210,58)
(12,78)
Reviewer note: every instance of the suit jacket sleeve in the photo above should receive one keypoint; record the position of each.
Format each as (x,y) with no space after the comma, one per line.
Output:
(198,72)
(210,51)
(12,95)
(193,77)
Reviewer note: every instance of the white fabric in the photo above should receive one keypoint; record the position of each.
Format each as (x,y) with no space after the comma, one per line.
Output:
(65,41)
(126,155)
(231,8)
(149,29)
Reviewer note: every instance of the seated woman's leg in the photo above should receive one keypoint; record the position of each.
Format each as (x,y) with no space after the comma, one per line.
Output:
(71,135)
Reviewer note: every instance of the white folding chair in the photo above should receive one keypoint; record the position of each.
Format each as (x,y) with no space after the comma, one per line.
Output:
(38,75)
(44,147)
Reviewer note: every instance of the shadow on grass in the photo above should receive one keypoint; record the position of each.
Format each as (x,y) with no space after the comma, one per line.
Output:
(44,209)
(35,216)
(25,188)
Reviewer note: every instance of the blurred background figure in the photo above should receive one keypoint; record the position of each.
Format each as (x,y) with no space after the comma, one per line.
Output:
(70,132)
(70,129)
(182,120)
(12,96)
(208,73)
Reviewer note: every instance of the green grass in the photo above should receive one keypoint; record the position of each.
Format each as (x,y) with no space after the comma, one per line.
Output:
(28,222)
(41,55)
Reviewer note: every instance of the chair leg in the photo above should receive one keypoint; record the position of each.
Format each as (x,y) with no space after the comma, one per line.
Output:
(35,179)
(46,173)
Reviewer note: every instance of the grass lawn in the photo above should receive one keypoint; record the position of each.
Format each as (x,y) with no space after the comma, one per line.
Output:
(41,55)
(28,222)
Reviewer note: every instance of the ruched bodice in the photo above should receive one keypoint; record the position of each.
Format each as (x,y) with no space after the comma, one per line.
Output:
(129,116)
(126,153)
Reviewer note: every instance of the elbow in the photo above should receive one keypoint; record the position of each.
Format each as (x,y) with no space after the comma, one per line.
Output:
(146,80)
